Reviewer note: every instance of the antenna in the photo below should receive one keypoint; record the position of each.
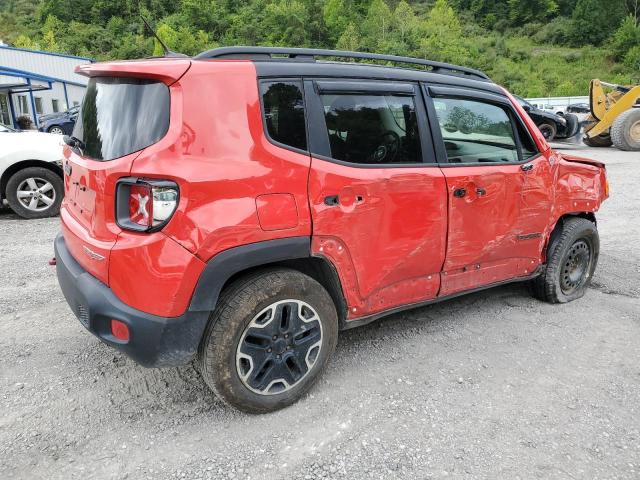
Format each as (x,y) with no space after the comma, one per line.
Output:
(167,51)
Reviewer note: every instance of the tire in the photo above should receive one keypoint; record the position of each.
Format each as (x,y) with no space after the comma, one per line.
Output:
(625,131)
(56,130)
(572,257)
(48,185)
(602,140)
(241,333)
(573,125)
(548,130)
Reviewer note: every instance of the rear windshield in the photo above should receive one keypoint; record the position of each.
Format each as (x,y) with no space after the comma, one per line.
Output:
(120,116)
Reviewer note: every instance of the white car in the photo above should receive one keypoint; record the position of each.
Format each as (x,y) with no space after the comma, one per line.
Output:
(31,172)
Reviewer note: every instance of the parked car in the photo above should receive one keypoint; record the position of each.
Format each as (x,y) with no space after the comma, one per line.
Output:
(61,124)
(31,172)
(303,198)
(552,125)
(579,108)
(72,111)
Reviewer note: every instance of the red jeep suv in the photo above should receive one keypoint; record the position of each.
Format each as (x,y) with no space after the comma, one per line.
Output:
(243,206)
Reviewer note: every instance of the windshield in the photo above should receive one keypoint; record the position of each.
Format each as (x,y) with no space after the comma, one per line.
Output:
(120,116)
(523,102)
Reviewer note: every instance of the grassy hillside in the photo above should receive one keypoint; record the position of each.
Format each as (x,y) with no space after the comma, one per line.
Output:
(533,47)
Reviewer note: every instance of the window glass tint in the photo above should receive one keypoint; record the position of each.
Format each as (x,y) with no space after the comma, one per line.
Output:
(284,113)
(475,131)
(529,147)
(372,129)
(120,116)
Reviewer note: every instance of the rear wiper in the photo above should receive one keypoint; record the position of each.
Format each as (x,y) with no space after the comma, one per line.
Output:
(73,142)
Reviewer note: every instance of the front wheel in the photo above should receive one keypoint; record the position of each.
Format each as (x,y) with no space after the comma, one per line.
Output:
(35,192)
(268,340)
(572,257)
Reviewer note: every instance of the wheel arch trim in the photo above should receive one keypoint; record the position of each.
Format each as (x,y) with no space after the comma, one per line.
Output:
(233,261)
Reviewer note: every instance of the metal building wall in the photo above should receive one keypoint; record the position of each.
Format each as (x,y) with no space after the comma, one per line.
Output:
(51,65)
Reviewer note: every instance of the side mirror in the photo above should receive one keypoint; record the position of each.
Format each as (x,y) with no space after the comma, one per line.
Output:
(527,108)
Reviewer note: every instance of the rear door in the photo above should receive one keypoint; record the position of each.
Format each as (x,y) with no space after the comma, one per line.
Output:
(498,188)
(377,196)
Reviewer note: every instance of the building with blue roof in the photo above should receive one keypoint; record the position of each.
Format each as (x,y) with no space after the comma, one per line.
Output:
(35,83)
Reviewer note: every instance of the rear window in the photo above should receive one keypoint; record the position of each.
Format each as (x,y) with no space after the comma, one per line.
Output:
(120,116)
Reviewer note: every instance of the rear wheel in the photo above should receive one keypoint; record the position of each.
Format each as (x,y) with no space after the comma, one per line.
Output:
(602,140)
(35,192)
(268,340)
(625,131)
(548,131)
(572,257)
(56,130)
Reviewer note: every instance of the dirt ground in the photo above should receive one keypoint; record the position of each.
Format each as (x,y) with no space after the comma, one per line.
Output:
(492,385)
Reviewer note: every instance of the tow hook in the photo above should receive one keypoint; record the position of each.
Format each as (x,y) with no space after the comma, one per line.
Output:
(52,261)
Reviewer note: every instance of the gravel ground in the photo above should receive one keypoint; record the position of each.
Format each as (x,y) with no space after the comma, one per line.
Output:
(492,385)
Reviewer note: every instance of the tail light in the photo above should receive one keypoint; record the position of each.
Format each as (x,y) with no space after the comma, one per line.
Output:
(145,205)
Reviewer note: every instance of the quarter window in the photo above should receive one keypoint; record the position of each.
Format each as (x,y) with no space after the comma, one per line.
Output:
(477,132)
(372,129)
(284,113)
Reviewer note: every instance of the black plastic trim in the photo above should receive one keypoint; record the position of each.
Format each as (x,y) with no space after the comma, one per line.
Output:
(358,322)
(153,341)
(229,262)
(395,88)
(357,71)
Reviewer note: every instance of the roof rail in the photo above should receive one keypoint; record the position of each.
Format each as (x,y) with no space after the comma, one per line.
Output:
(309,54)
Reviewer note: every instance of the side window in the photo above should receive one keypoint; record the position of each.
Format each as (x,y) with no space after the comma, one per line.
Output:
(284,112)
(372,129)
(529,147)
(476,132)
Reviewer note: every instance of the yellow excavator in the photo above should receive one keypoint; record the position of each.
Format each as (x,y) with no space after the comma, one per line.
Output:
(615,116)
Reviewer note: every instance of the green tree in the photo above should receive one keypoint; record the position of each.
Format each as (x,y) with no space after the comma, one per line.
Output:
(626,37)
(594,20)
(442,37)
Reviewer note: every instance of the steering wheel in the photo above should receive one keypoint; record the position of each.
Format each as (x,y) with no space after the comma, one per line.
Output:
(387,149)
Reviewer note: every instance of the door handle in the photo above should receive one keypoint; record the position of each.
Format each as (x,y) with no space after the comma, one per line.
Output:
(332,200)
(459,192)
(480,191)
(526,167)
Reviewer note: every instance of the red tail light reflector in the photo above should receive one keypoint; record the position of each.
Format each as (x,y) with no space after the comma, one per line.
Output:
(120,330)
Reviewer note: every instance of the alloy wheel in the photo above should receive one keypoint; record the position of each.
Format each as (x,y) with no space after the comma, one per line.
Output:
(279,347)
(36,194)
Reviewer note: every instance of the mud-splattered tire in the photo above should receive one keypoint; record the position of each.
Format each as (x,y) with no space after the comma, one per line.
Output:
(268,340)
(625,131)
(602,140)
(572,257)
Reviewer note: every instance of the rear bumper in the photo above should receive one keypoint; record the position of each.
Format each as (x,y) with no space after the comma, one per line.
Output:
(153,341)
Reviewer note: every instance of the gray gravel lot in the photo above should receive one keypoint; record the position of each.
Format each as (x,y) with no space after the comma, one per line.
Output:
(492,385)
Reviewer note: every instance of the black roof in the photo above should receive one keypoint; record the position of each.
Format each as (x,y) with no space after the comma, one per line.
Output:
(303,60)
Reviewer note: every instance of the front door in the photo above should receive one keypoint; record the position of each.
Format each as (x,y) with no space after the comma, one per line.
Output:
(377,197)
(498,191)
